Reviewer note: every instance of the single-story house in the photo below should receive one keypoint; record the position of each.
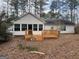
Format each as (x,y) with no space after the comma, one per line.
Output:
(28,22)
(37,25)
(64,26)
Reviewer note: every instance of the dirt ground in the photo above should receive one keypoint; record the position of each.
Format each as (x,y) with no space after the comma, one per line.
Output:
(66,47)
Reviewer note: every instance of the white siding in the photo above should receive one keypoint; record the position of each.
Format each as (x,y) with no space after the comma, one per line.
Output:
(29,19)
(69,28)
(18,32)
(48,27)
(23,32)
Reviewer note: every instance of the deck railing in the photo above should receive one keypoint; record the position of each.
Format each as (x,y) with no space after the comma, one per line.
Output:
(45,34)
(50,34)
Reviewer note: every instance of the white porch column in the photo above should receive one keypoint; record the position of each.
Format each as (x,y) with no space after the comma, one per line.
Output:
(27,27)
(43,27)
(32,27)
(13,27)
(37,27)
(20,27)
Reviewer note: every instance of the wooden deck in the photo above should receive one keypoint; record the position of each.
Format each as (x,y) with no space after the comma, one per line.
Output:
(46,34)
(50,34)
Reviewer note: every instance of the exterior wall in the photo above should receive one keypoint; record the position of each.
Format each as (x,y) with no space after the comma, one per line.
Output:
(29,19)
(18,32)
(49,27)
(69,28)
(23,32)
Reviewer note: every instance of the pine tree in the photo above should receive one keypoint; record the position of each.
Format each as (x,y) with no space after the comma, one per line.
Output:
(4,35)
(72,6)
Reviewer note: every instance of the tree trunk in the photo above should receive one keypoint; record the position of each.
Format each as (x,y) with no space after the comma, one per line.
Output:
(35,6)
(71,15)
(74,15)
(41,4)
(7,6)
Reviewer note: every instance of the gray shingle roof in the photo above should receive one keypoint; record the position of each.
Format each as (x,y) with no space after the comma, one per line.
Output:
(57,22)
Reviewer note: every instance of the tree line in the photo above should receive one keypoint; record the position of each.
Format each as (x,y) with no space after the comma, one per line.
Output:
(70,8)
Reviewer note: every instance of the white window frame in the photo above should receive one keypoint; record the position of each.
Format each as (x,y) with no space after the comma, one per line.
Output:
(39,27)
(63,28)
(19,27)
(35,27)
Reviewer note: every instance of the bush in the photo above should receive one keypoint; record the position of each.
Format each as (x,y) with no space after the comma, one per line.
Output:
(4,34)
(4,37)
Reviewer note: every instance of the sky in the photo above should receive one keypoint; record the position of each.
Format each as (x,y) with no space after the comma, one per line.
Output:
(0,4)
(47,7)
(3,5)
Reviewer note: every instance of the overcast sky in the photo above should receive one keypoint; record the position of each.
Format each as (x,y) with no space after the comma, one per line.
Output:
(3,5)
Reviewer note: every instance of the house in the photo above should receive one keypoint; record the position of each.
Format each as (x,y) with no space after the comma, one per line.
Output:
(28,22)
(64,26)
(37,25)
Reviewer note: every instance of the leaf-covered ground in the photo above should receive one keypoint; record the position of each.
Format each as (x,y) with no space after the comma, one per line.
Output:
(66,47)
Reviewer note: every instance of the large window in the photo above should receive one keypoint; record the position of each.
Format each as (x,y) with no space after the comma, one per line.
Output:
(17,27)
(40,27)
(35,27)
(24,27)
(63,28)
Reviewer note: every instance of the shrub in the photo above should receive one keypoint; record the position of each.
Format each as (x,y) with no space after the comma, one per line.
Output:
(4,34)
(4,37)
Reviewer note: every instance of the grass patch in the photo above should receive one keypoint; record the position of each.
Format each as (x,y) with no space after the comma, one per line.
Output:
(20,46)
(32,48)
(28,48)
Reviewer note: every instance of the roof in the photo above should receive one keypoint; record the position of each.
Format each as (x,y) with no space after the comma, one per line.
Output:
(28,19)
(40,19)
(57,22)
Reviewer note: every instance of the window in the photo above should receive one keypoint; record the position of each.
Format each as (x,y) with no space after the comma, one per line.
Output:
(52,27)
(63,28)
(17,27)
(24,27)
(40,27)
(35,27)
